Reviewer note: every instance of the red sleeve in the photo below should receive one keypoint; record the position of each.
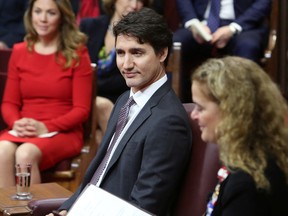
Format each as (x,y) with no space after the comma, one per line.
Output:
(81,96)
(11,103)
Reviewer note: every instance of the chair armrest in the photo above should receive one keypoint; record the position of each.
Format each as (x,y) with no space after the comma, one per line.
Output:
(45,206)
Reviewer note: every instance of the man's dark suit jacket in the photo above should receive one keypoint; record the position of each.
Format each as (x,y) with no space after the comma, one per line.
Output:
(238,195)
(11,21)
(249,13)
(150,160)
(112,84)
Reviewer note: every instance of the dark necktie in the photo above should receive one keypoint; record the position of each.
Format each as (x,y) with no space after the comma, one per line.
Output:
(213,20)
(122,120)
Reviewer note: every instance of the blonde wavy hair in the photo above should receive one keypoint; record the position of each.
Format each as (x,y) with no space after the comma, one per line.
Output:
(70,36)
(252,129)
(109,5)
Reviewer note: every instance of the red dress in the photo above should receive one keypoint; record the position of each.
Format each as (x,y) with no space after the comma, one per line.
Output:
(38,87)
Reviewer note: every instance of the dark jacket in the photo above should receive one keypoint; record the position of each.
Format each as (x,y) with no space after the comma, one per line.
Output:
(238,195)
(11,21)
(151,158)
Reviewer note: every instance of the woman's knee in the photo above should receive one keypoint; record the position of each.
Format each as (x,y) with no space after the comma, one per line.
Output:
(28,153)
(104,104)
(7,150)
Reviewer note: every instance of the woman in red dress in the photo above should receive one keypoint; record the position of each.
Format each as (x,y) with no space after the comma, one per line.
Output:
(48,91)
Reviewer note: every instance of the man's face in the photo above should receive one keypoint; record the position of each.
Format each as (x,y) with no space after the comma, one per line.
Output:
(138,63)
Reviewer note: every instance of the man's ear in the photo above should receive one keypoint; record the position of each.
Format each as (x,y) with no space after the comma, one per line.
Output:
(163,54)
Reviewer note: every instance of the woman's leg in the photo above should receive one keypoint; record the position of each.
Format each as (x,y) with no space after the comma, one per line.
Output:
(30,153)
(104,109)
(7,163)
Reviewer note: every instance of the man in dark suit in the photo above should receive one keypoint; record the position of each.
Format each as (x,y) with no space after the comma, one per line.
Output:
(150,156)
(242,31)
(11,22)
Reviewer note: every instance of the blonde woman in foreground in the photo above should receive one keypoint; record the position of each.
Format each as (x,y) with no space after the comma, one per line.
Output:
(240,109)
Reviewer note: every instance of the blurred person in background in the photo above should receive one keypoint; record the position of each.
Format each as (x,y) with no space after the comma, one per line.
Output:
(11,22)
(235,27)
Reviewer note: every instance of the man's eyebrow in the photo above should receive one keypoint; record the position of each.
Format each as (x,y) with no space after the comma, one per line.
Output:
(135,49)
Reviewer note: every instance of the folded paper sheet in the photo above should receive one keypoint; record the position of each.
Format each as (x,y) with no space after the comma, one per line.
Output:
(96,201)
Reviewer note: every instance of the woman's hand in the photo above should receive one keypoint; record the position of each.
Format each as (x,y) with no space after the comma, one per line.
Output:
(28,127)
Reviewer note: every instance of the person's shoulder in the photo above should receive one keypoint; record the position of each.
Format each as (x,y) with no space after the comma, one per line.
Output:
(239,180)
(20,47)
(82,48)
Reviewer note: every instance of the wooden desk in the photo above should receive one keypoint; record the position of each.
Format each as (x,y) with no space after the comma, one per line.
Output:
(38,191)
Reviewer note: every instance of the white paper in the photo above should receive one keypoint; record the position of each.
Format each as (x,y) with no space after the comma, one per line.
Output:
(95,201)
(199,28)
(51,134)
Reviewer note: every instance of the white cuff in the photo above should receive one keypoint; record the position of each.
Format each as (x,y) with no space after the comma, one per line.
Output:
(235,28)
(189,23)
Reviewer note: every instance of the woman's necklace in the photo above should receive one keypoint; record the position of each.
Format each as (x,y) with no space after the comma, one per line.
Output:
(221,175)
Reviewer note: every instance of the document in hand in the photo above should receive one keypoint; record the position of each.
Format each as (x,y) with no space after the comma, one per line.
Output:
(199,28)
(96,201)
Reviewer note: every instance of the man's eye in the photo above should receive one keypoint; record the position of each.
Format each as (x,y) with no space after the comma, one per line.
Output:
(137,54)
(119,53)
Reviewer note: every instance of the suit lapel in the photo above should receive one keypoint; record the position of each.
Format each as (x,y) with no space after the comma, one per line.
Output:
(106,139)
(142,116)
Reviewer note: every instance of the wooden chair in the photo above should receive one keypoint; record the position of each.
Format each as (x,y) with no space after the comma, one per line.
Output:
(200,180)
(173,68)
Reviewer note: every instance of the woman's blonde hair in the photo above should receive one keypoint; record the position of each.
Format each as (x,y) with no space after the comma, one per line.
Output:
(109,5)
(70,36)
(252,129)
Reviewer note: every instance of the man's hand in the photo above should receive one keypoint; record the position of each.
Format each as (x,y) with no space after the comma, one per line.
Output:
(198,38)
(56,213)
(221,36)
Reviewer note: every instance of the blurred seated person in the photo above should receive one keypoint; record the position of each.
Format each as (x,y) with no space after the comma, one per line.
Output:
(240,109)
(11,22)
(48,91)
(86,8)
(101,45)
(236,27)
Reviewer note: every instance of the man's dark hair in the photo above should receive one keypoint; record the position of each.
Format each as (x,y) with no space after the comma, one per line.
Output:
(148,27)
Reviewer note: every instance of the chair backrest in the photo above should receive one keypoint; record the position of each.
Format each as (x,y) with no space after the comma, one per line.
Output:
(171,15)
(4,60)
(201,177)
(173,68)
(3,78)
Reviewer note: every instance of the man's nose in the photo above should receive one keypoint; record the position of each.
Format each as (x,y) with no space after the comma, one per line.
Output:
(128,62)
